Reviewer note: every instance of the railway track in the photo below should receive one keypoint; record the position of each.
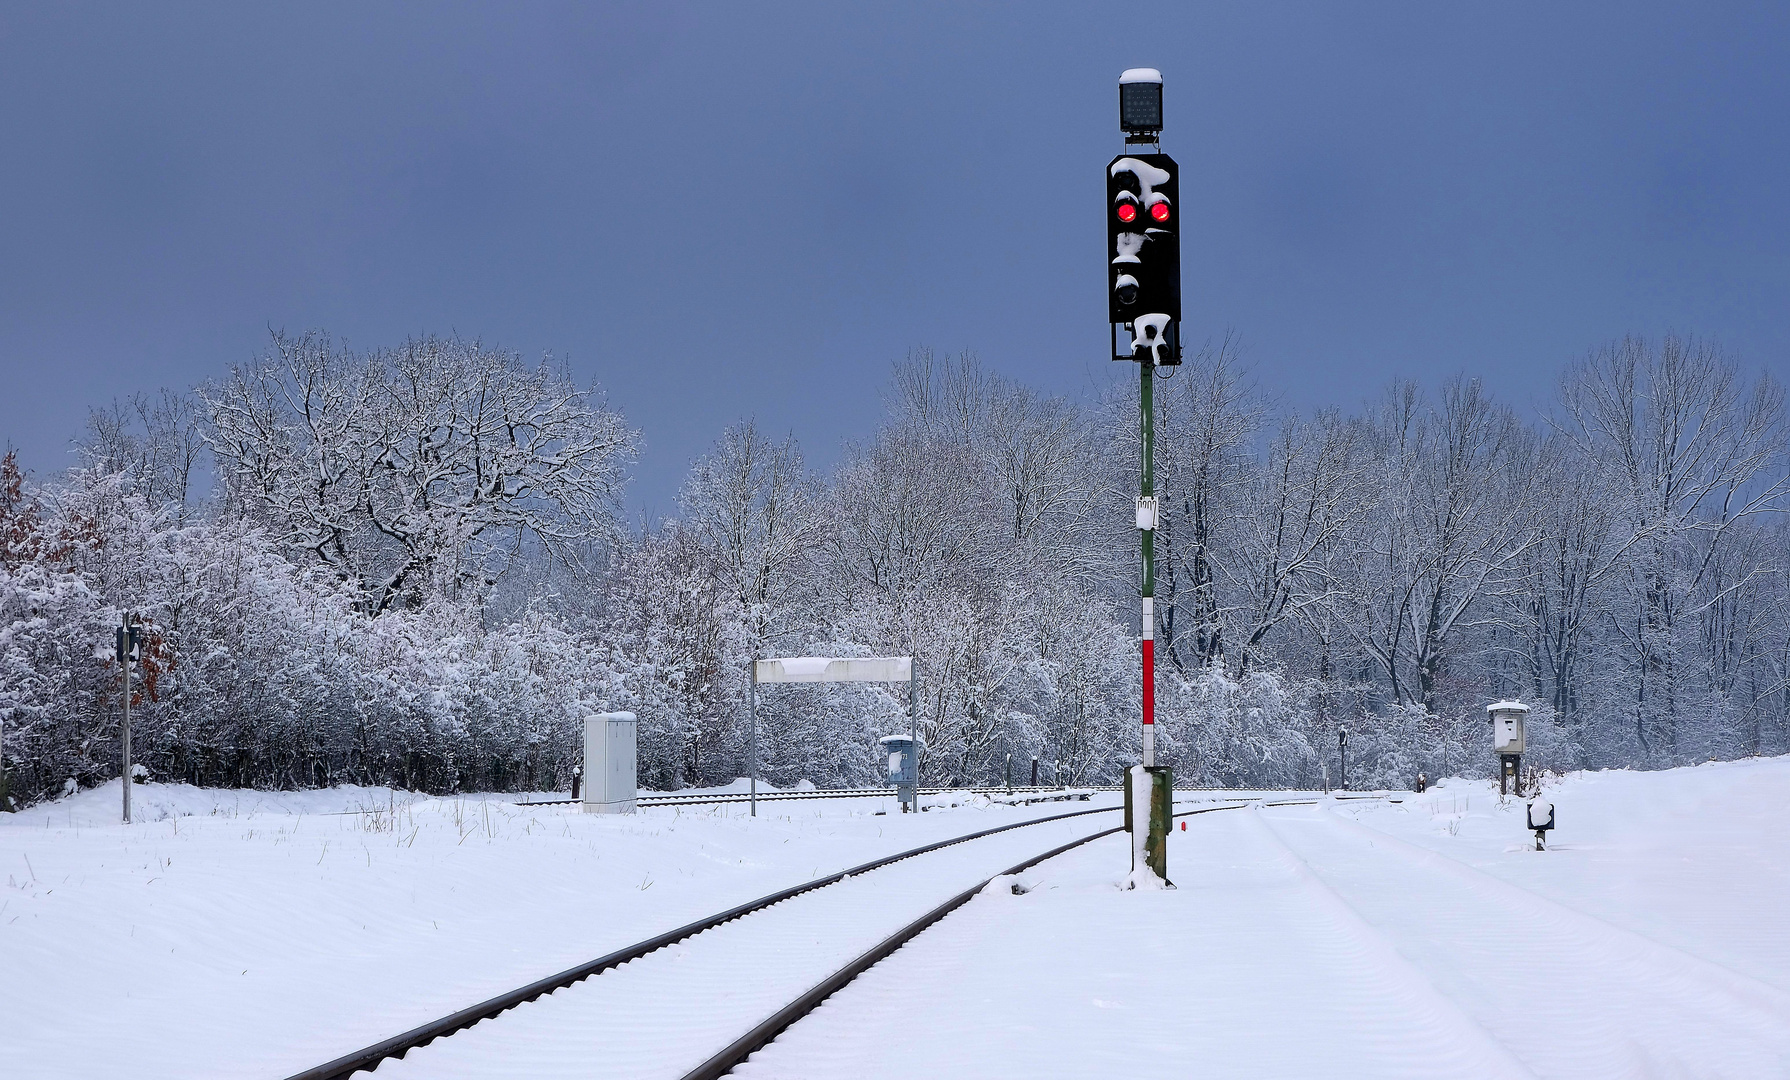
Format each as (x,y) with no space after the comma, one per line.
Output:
(731,978)
(674,799)
(1080,792)
(400,1045)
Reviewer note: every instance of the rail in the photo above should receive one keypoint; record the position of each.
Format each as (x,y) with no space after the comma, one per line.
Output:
(399,1045)
(750,1043)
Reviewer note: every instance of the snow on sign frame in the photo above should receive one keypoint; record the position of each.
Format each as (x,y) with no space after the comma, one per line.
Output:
(834,669)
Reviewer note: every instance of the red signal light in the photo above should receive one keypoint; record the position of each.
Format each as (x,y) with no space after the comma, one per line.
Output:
(1159,211)
(1127,212)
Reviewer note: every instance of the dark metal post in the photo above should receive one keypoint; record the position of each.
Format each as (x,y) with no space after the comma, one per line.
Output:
(752,742)
(127,646)
(1034,772)
(1342,754)
(126,748)
(1509,778)
(913,721)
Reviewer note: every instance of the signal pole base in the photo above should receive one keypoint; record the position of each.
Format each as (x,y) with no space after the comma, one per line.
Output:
(1149,813)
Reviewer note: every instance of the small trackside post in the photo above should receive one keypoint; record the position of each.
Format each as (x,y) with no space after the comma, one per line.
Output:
(125,744)
(129,640)
(913,722)
(752,740)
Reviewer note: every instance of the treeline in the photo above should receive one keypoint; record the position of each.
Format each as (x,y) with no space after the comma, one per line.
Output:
(410,566)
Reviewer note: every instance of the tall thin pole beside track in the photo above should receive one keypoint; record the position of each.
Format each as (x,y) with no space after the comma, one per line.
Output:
(1148,593)
(752,742)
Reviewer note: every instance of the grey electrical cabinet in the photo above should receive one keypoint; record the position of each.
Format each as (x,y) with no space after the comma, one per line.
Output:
(609,763)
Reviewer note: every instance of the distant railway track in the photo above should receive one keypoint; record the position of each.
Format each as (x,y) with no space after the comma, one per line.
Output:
(767,1029)
(675,799)
(1078,791)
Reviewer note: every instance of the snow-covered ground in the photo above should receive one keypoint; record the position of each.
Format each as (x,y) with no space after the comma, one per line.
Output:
(251,934)
(254,934)
(1418,939)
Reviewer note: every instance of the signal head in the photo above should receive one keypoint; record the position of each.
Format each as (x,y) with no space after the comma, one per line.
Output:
(1140,101)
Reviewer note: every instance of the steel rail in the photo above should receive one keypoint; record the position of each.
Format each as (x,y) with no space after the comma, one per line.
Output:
(673,799)
(399,1045)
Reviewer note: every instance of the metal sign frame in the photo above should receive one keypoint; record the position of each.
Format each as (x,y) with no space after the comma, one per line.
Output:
(828,669)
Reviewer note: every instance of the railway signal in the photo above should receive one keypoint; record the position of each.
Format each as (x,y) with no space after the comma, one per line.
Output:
(1143,267)
(1143,277)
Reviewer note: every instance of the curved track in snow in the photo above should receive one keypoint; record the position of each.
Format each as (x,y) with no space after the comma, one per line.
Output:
(696,1007)
(702,984)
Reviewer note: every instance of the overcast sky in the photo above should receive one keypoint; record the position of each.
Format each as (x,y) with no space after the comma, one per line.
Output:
(722,210)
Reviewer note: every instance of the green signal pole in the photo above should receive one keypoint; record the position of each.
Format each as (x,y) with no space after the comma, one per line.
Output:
(1150,834)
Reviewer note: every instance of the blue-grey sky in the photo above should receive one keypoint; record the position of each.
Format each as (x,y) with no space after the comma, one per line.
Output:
(720,210)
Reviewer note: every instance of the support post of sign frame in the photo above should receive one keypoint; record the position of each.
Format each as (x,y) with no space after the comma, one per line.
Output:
(913,722)
(752,738)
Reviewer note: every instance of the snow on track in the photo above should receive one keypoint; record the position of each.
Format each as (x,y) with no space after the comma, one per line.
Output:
(1298,944)
(1243,971)
(666,1013)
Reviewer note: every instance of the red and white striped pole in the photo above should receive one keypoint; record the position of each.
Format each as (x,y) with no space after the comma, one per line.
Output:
(1146,525)
(1149,680)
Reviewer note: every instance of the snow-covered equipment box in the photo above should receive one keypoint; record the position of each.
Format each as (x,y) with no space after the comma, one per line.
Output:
(609,763)
(904,767)
(1541,819)
(1507,726)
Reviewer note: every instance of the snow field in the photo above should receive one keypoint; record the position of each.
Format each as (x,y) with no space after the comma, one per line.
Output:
(1419,939)
(1348,939)
(233,934)
(666,1013)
